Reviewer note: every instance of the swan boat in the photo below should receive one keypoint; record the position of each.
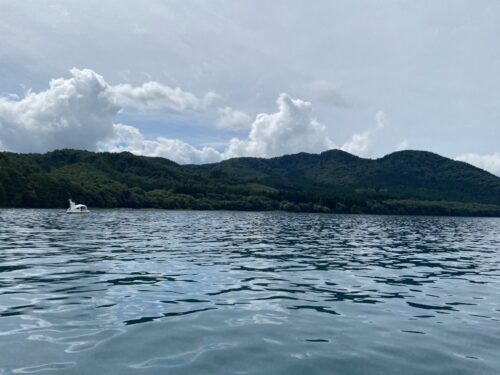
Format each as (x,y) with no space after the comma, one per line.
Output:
(77,208)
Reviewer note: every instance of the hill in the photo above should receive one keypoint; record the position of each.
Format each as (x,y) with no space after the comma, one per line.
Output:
(405,182)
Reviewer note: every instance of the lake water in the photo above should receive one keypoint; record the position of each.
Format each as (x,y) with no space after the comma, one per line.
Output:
(180,292)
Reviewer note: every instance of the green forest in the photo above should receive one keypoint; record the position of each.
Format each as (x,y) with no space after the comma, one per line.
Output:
(405,182)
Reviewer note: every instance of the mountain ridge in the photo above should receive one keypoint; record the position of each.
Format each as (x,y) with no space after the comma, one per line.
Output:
(403,182)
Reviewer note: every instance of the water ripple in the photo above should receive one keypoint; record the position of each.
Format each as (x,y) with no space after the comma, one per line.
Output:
(123,291)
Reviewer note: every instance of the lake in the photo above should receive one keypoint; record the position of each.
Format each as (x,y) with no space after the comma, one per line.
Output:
(186,292)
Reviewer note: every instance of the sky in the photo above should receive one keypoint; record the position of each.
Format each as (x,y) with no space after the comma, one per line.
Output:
(202,81)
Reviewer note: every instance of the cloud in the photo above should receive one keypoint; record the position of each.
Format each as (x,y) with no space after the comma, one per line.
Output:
(129,138)
(403,145)
(325,93)
(360,143)
(154,95)
(490,163)
(333,98)
(381,120)
(76,112)
(334,57)
(290,130)
(229,118)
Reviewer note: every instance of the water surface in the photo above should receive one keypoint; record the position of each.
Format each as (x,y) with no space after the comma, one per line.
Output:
(179,292)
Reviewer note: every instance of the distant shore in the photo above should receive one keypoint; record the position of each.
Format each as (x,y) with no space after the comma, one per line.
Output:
(401,183)
(449,213)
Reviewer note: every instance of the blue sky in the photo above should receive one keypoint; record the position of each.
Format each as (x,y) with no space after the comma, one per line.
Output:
(199,81)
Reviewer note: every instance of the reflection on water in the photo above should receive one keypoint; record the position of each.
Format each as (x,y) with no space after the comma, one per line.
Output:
(155,292)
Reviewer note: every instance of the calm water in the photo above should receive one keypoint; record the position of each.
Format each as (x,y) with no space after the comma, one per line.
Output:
(169,292)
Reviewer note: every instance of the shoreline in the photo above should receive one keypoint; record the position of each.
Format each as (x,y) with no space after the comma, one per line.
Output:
(152,209)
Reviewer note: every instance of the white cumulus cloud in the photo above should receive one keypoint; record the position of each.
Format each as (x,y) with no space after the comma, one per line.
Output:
(488,162)
(290,130)
(129,138)
(360,143)
(75,112)
(232,119)
(154,95)
(78,112)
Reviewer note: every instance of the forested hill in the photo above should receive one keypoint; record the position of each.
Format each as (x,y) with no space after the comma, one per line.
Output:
(405,182)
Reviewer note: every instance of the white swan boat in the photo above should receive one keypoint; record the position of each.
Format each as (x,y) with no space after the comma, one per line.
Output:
(77,208)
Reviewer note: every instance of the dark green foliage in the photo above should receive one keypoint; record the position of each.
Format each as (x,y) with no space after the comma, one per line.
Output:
(406,182)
